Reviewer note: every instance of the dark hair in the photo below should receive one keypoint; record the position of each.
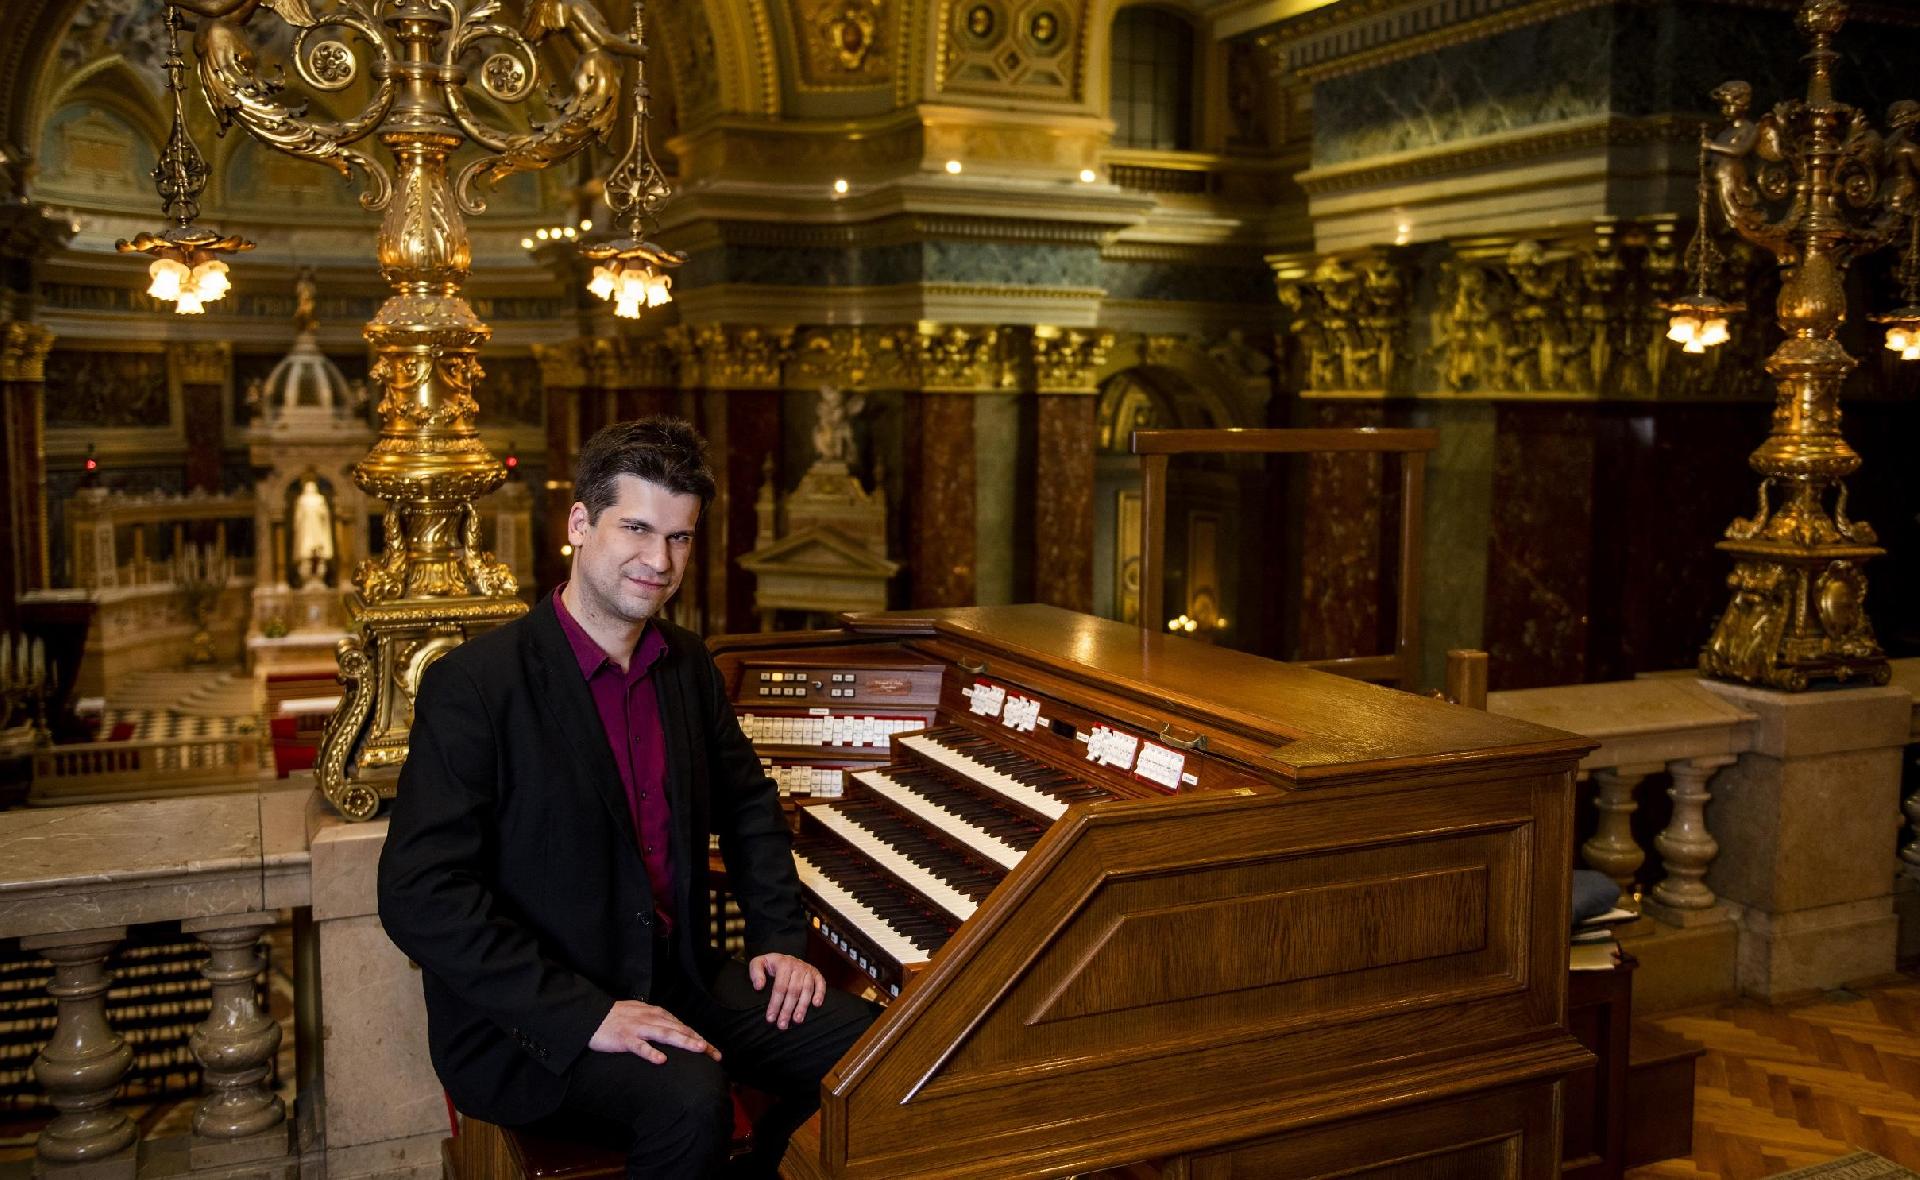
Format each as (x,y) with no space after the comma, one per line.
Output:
(662,450)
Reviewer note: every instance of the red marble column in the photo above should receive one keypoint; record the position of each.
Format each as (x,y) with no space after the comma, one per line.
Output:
(1063,500)
(1343,513)
(742,428)
(940,499)
(204,371)
(23,467)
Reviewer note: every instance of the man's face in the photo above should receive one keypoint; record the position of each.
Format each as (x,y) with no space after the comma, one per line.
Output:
(629,561)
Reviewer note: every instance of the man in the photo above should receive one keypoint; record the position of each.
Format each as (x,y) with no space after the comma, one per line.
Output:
(546,861)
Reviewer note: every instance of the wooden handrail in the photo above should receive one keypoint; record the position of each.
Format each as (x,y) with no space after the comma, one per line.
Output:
(1408,446)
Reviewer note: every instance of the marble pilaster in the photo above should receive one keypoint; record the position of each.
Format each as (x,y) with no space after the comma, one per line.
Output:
(1067,431)
(941,554)
(1342,559)
(743,432)
(1537,586)
(1001,503)
(203,371)
(1803,821)
(23,464)
(376,1079)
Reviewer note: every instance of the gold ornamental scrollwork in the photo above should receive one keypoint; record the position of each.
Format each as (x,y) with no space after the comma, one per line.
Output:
(431,586)
(1347,318)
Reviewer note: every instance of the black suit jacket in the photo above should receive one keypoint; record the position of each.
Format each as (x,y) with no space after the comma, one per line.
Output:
(511,874)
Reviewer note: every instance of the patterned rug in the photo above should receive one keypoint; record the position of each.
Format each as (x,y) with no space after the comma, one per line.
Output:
(1862,1165)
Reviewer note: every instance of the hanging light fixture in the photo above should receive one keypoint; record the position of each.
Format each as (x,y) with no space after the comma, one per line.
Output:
(187,270)
(1699,319)
(1903,323)
(630,270)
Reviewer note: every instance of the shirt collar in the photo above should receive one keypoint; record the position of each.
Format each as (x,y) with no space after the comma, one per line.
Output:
(593,657)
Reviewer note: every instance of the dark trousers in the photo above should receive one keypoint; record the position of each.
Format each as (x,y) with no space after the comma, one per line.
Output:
(676,1119)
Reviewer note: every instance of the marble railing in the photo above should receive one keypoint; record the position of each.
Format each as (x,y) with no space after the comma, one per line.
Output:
(1662,724)
(100,772)
(73,879)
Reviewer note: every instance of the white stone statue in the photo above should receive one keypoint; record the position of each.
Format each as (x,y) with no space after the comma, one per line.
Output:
(312,535)
(833,426)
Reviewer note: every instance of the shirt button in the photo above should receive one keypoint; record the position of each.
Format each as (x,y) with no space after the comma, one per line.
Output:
(649,849)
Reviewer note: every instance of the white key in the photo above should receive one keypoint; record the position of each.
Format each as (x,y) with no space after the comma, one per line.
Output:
(903,870)
(890,941)
(985,843)
(986,776)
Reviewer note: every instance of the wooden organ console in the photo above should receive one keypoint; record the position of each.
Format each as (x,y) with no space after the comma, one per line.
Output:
(1132,898)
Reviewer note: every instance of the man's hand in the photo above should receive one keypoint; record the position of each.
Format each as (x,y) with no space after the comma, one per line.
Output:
(797,985)
(633,1027)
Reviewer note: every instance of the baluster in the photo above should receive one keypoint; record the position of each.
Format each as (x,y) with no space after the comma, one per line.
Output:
(238,1118)
(1611,849)
(81,1066)
(1686,847)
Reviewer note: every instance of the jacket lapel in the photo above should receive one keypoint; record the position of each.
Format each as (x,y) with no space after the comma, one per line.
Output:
(569,704)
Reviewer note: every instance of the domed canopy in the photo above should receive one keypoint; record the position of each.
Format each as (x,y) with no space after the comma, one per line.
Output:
(305,379)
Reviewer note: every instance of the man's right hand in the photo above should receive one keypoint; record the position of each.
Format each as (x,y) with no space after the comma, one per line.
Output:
(637,1028)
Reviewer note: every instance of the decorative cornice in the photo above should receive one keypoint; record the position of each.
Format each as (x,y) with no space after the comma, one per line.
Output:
(906,228)
(1068,360)
(1450,159)
(23,351)
(1346,39)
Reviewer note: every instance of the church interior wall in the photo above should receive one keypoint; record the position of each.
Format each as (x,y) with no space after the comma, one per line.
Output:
(1536,549)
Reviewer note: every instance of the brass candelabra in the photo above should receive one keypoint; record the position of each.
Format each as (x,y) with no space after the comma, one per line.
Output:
(432,586)
(1813,183)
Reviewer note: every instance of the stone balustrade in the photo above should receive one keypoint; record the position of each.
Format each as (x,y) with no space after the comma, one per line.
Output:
(1790,875)
(72,880)
(99,772)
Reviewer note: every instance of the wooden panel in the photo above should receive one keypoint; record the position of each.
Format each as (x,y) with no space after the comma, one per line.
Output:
(1499,1136)
(960,1063)
(1146,956)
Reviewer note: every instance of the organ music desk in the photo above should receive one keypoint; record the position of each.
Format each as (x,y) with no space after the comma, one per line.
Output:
(1129,897)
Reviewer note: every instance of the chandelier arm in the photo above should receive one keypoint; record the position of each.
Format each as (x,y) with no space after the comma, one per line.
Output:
(510,76)
(584,116)
(236,92)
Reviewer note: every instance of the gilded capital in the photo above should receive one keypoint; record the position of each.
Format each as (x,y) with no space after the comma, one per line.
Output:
(562,365)
(954,358)
(23,351)
(1068,360)
(200,362)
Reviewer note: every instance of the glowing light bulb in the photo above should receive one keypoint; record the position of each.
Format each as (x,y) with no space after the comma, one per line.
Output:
(526,243)
(566,551)
(167,276)
(540,233)
(953,167)
(659,290)
(840,186)
(570,233)
(188,303)
(1088,176)
(627,308)
(1900,339)
(1696,345)
(210,280)
(603,283)
(1912,352)
(1713,333)
(1683,329)
(586,223)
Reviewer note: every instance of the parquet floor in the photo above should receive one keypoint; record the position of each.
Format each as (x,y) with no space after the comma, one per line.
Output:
(1784,1087)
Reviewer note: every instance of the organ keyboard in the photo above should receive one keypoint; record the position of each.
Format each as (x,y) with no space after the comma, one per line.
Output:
(1131,897)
